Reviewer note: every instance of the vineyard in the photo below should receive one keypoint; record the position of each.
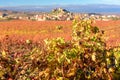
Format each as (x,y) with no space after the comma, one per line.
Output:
(40,30)
(59,50)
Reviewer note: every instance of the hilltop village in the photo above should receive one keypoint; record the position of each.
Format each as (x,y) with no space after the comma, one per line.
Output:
(58,14)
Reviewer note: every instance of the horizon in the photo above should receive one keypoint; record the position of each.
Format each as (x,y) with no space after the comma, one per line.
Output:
(56,2)
(64,5)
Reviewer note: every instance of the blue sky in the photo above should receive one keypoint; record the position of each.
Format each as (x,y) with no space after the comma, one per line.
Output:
(53,2)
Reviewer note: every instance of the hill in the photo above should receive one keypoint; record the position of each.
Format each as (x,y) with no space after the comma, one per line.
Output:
(96,8)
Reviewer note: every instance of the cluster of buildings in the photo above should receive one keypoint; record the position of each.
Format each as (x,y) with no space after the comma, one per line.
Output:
(56,14)
(3,15)
(60,17)
(95,16)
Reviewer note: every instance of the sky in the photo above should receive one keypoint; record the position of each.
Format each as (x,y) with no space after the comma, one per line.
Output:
(56,2)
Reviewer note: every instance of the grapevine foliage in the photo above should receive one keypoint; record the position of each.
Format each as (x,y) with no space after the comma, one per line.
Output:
(85,57)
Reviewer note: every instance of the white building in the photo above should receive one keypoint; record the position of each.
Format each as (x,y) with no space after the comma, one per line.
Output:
(1,15)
